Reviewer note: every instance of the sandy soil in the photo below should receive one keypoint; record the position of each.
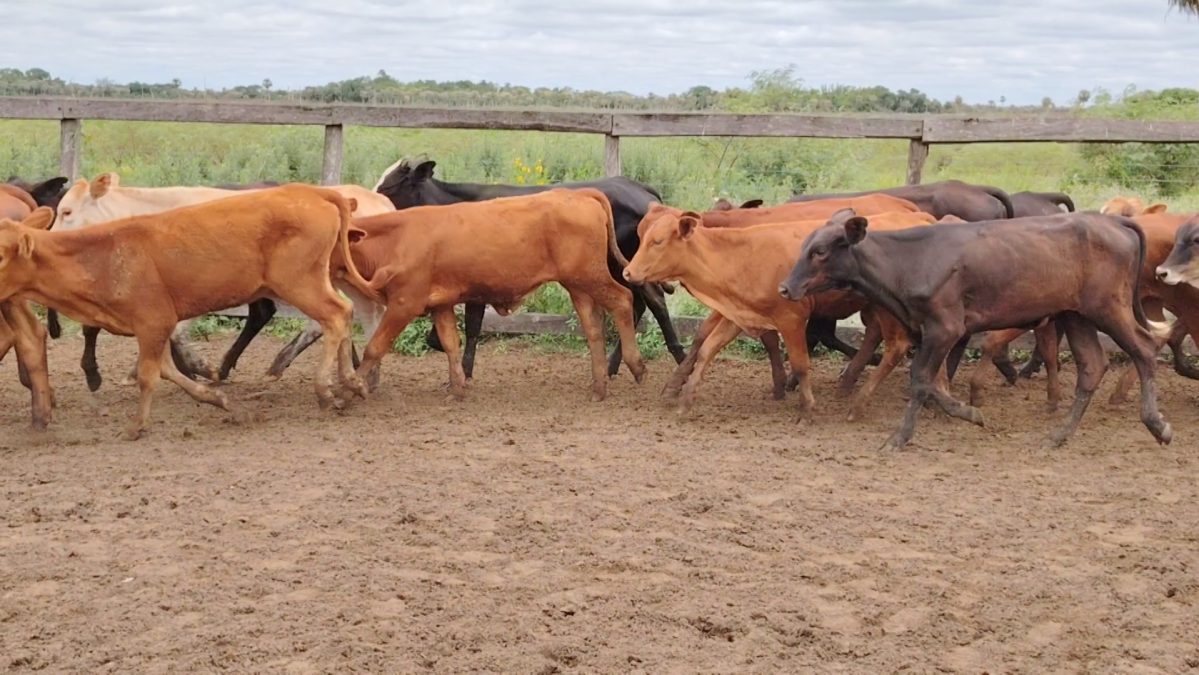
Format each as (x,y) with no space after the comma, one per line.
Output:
(529,530)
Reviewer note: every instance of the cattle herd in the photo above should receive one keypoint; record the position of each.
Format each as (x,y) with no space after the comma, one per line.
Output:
(926,267)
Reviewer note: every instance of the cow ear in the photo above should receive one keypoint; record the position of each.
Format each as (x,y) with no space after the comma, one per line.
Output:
(356,234)
(687,223)
(855,230)
(1156,208)
(722,204)
(353,204)
(102,184)
(40,219)
(25,245)
(841,217)
(423,171)
(47,190)
(752,204)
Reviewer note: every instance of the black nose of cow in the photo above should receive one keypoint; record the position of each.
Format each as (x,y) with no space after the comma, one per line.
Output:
(784,292)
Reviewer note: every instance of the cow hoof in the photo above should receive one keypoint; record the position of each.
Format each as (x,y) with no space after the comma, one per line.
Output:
(639,374)
(271,376)
(40,423)
(1162,431)
(132,434)
(975,416)
(895,443)
(1051,406)
(1055,440)
(93,380)
(778,394)
(597,396)
(1117,399)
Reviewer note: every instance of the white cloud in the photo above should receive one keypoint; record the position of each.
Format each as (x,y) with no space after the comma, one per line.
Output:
(1020,50)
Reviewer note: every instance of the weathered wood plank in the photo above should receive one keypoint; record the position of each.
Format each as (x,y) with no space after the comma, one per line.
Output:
(70,148)
(331,165)
(242,112)
(816,126)
(1064,128)
(917,153)
(612,166)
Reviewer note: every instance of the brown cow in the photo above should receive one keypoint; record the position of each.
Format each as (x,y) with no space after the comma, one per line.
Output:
(736,272)
(430,258)
(784,213)
(142,275)
(1129,207)
(969,202)
(19,327)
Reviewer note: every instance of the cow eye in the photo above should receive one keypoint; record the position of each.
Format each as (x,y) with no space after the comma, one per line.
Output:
(820,251)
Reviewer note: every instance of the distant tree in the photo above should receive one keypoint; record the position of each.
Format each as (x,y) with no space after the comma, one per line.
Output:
(1186,6)
(1047,103)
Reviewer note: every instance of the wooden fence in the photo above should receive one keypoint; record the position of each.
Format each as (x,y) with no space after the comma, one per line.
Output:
(921,131)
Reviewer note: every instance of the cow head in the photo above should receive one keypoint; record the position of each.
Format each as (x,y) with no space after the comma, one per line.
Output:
(17,247)
(827,260)
(408,183)
(87,203)
(663,247)
(1182,265)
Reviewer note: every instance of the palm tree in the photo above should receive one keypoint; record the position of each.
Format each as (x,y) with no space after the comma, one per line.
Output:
(1186,6)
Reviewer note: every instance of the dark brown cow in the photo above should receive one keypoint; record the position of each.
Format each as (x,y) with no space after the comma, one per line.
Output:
(951,197)
(947,282)
(427,259)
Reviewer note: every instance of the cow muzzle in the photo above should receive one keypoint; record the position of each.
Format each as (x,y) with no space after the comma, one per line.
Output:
(1168,276)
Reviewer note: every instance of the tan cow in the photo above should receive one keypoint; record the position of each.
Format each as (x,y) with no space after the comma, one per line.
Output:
(104,199)
(867,205)
(142,275)
(736,272)
(1129,207)
(430,258)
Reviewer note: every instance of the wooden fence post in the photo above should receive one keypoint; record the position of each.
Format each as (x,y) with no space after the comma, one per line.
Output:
(331,168)
(917,153)
(70,148)
(612,156)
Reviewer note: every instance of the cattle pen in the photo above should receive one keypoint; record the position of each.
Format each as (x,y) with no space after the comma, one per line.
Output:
(920,130)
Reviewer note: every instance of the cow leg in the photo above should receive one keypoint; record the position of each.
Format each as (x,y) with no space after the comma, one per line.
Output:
(474,328)
(638,312)
(655,301)
(29,338)
(189,361)
(870,341)
(1177,337)
(794,335)
(722,334)
(91,370)
(934,348)
(394,320)
(151,348)
(1035,360)
(367,312)
(954,359)
(1141,346)
(1090,361)
(201,392)
(334,315)
(1155,312)
(617,300)
(445,322)
(1047,343)
(1003,363)
(895,348)
(995,345)
(7,340)
(311,333)
(258,315)
(592,323)
(778,373)
(679,377)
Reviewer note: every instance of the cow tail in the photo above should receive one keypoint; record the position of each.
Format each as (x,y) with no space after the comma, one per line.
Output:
(613,247)
(1062,199)
(52,323)
(1159,329)
(1003,199)
(343,241)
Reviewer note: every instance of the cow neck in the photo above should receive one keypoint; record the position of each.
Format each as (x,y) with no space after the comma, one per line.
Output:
(871,256)
(710,260)
(56,256)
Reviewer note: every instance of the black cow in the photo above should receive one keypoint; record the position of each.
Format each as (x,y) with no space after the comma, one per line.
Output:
(947,282)
(947,198)
(407,186)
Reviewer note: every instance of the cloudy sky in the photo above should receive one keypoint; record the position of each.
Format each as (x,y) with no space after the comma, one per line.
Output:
(979,49)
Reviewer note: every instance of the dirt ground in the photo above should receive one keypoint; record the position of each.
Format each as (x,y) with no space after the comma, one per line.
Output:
(527,529)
